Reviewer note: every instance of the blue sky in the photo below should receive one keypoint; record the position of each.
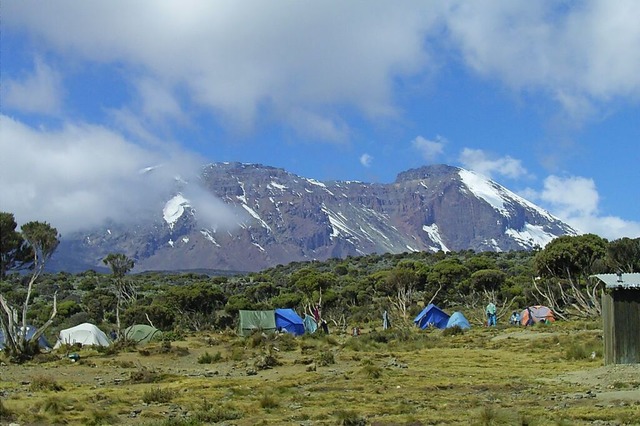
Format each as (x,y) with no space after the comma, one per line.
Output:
(543,97)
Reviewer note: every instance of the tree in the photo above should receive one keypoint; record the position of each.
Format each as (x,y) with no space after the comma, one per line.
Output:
(568,262)
(623,255)
(120,265)
(40,240)
(12,251)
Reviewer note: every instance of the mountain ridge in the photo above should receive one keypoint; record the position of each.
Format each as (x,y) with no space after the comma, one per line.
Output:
(281,217)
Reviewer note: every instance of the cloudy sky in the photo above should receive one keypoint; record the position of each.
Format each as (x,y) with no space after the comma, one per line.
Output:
(543,97)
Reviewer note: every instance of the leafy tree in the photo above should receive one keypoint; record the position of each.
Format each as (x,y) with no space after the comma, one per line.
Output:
(487,280)
(571,257)
(120,265)
(570,260)
(624,255)
(12,251)
(40,240)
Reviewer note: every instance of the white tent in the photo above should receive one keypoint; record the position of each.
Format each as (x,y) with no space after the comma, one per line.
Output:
(86,334)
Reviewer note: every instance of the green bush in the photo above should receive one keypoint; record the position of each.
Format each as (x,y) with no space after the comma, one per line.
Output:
(372,371)
(350,418)
(207,358)
(268,402)
(44,383)
(161,396)
(326,358)
(287,342)
(209,413)
(453,331)
(5,413)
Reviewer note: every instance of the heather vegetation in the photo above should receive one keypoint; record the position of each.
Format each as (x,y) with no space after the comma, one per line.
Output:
(352,291)
(201,372)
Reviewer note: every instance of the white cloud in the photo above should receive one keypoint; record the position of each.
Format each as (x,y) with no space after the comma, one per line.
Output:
(477,160)
(429,149)
(158,102)
(81,175)
(366,159)
(584,50)
(40,92)
(575,200)
(237,60)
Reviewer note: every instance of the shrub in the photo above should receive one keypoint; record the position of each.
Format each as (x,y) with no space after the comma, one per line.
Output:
(350,418)
(54,405)
(144,375)
(453,331)
(209,413)
(372,371)
(207,358)
(237,354)
(287,342)
(326,358)
(268,402)
(102,417)
(266,361)
(161,396)
(44,383)
(5,413)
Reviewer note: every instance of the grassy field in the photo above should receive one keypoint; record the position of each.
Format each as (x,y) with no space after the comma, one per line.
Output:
(549,374)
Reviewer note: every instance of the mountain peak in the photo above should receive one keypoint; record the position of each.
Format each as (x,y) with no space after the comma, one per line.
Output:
(427,172)
(284,218)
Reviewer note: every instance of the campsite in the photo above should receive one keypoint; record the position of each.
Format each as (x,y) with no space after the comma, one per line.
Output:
(375,340)
(546,373)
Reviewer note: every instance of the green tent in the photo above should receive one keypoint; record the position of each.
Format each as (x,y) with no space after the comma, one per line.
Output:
(251,321)
(141,333)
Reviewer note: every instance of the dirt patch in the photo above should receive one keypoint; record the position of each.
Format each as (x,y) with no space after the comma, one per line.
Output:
(609,383)
(524,334)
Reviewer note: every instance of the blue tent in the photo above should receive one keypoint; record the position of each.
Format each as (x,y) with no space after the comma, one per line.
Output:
(310,325)
(31,330)
(289,321)
(431,316)
(457,318)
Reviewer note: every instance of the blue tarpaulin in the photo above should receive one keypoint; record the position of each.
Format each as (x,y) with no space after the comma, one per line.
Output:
(288,320)
(431,316)
(31,330)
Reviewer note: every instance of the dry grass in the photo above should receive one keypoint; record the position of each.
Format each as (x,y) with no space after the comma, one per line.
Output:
(483,377)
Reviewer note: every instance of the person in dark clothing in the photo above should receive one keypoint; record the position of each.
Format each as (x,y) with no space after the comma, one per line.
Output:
(324,326)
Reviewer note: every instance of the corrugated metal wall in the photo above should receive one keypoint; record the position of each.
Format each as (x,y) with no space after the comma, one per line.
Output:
(621,326)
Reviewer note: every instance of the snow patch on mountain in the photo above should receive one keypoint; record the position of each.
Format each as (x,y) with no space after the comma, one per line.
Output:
(174,208)
(242,197)
(530,236)
(434,235)
(207,234)
(256,216)
(484,189)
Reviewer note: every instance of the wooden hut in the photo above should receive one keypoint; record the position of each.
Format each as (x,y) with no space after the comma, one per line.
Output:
(621,318)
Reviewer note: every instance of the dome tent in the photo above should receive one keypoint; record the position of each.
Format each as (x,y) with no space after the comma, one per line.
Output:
(431,316)
(535,314)
(288,320)
(85,334)
(142,333)
(458,319)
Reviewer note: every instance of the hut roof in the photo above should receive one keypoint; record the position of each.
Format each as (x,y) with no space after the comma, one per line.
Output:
(630,281)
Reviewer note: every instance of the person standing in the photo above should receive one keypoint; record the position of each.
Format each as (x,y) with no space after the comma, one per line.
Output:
(324,326)
(385,320)
(491,314)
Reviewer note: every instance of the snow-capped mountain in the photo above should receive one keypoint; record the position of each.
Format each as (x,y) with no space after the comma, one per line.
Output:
(281,217)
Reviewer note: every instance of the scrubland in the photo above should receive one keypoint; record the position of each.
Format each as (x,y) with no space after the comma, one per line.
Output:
(546,374)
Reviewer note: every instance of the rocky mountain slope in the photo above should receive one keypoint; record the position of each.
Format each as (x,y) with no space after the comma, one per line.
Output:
(280,218)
